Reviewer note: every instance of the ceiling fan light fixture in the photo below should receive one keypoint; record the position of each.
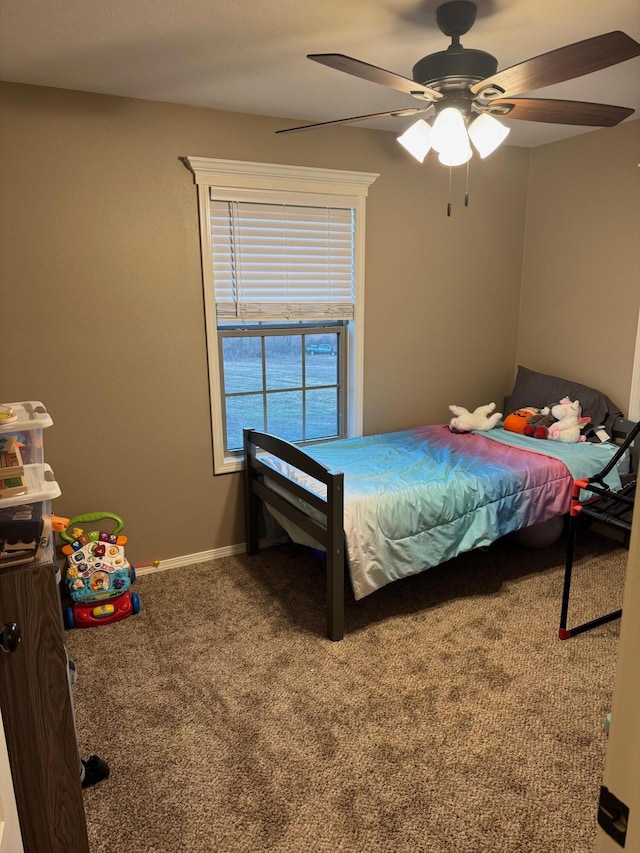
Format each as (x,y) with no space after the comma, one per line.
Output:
(456,156)
(449,131)
(465,90)
(417,139)
(487,134)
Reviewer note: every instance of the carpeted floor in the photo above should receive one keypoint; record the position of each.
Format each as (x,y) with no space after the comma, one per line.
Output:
(449,720)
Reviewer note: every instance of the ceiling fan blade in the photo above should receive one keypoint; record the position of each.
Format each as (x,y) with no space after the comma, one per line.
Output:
(375,75)
(559,112)
(409,112)
(562,64)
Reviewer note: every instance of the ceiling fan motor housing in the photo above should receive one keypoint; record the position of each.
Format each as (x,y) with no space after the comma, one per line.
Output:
(455,68)
(456,17)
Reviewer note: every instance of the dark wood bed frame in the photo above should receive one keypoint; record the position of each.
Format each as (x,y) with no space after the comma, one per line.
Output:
(328,532)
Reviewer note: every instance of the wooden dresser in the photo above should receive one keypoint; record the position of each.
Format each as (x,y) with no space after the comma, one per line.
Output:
(37,711)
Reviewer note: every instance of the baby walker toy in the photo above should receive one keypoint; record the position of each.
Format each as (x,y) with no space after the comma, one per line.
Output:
(97,575)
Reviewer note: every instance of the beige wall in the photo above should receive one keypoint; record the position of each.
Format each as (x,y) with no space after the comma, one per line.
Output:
(99,258)
(581,271)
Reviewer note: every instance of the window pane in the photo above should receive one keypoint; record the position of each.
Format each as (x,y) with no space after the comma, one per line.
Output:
(242,364)
(283,355)
(284,415)
(243,413)
(300,386)
(322,413)
(321,366)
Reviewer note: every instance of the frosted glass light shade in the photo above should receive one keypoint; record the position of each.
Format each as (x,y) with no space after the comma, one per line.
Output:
(487,134)
(455,156)
(417,139)
(449,131)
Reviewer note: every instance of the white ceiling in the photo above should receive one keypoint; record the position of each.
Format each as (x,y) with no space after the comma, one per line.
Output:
(251,56)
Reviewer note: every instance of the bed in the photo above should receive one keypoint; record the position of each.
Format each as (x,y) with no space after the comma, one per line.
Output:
(391,505)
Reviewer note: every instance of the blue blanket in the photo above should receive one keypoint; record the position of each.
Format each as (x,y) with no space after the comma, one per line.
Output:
(419,497)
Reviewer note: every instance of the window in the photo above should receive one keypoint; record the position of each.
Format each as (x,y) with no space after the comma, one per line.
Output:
(282,258)
(275,380)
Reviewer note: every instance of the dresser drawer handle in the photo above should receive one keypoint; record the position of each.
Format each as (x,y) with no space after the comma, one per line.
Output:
(9,637)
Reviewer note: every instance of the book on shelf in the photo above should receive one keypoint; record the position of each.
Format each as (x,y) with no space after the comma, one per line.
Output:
(10,486)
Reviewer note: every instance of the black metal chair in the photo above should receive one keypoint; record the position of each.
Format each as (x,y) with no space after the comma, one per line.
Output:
(609,508)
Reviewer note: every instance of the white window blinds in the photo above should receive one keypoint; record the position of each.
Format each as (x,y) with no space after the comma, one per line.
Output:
(282,261)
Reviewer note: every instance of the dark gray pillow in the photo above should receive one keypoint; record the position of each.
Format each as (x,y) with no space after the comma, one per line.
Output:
(540,389)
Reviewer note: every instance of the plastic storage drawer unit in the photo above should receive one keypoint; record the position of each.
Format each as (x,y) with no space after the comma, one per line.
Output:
(27,484)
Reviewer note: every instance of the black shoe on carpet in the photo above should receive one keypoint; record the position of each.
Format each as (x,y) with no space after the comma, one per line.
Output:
(95,770)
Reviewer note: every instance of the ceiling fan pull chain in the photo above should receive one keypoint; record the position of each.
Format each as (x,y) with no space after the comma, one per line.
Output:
(449,200)
(466,189)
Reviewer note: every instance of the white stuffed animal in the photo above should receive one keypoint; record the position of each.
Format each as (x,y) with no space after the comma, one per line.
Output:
(567,427)
(481,418)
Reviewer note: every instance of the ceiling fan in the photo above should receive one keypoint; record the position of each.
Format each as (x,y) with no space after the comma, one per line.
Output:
(469,81)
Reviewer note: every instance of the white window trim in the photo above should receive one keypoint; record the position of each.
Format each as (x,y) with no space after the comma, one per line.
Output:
(241,175)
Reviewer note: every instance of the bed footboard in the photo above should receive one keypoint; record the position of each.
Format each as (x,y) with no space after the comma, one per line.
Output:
(263,484)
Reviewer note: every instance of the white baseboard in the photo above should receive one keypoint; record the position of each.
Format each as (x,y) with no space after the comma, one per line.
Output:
(190,559)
